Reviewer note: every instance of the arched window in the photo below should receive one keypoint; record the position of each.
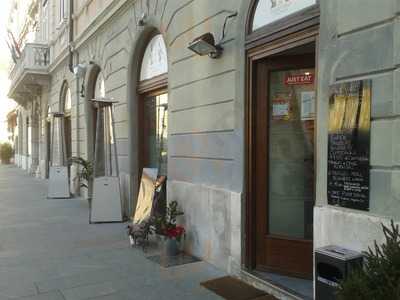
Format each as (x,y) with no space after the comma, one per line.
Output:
(48,111)
(269,11)
(67,101)
(154,106)
(100,88)
(155,60)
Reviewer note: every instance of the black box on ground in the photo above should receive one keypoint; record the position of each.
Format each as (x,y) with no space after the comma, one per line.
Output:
(333,264)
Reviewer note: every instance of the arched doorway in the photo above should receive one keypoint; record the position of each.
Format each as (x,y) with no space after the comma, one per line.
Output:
(281,45)
(99,92)
(66,108)
(20,126)
(48,140)
(95,88)
(28,135)
(153,106)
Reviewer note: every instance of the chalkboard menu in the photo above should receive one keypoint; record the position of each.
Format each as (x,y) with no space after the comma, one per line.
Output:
(349,144)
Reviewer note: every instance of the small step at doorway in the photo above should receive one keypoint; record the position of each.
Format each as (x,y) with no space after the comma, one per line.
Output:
(303,288)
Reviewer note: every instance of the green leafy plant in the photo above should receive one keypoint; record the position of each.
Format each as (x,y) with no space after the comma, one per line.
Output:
(6,152)
(166,224)
(380,277)
(85,170)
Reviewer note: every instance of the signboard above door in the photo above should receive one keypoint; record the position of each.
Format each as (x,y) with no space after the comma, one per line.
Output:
(269,11)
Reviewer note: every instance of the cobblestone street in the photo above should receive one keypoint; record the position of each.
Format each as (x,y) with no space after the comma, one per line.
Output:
(48,251)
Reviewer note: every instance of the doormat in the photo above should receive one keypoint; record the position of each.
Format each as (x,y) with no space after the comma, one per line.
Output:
(173,261)
(231,288)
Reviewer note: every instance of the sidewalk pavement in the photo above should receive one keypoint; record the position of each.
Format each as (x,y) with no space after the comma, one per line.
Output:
(48,251)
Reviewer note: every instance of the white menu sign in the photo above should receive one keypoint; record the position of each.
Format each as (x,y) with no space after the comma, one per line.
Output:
(269,11)
(308,105)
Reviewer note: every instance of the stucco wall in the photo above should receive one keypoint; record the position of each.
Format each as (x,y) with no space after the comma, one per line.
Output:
(205,145)
(359,40)
(86,11)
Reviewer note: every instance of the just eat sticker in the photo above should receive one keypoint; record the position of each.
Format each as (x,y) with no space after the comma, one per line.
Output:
(299,79)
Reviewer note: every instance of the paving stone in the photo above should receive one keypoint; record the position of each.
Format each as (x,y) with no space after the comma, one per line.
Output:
(17,289)
(89,291)
(81,279)
(49,251)
(56,295)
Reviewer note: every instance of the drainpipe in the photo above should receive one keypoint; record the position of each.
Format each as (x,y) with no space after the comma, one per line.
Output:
(71,69)
(71,36)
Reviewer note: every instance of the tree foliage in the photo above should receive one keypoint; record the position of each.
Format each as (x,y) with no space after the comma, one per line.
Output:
(380,277)
(85,172)
(6,152)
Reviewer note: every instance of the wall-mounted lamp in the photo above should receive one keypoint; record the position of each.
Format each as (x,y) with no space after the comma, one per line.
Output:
(80,70)
(205,44)
(142,21)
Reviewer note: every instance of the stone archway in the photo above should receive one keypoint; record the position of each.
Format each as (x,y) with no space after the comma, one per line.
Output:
(92,74)
(134,70)
(66,108)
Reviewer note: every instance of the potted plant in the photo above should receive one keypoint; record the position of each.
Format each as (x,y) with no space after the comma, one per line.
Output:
(6,153)
(174,237)
(85,173)
(166,227)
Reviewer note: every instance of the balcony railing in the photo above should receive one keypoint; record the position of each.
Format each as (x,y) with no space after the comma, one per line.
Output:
(35,58)
(30,72)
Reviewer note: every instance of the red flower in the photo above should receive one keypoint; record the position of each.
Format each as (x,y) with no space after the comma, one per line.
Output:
(174,232)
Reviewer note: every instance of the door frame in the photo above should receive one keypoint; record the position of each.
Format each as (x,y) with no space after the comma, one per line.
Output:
(274,247)
(253,55)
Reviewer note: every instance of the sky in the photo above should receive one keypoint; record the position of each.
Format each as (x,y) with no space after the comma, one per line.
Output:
(5,104)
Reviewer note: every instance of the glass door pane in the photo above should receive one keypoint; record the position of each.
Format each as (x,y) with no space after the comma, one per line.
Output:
(156,132)
(291,153)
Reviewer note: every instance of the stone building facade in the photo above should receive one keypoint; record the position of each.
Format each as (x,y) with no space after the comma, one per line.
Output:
(212,149)
(358,40)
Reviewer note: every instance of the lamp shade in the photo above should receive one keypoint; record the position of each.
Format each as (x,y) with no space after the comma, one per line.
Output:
(205,45)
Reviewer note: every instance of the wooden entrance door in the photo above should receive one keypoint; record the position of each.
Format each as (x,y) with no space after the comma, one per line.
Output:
(283,163)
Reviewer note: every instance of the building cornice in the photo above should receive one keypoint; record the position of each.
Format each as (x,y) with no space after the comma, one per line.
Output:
(102,19)
(99,21)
